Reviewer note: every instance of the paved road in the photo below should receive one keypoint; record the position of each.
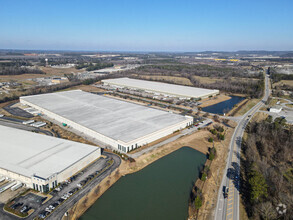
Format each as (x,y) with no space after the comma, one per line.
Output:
(59,213)
(229,208)
(16,123)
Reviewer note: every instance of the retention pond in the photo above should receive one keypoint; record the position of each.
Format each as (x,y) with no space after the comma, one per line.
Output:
(159,191)
(223,107)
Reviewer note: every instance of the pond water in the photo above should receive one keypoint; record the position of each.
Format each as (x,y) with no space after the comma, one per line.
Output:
(223,107)
(159,191)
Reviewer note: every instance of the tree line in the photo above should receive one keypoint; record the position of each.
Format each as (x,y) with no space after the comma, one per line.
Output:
(91,66)
(250,86)
(267,173)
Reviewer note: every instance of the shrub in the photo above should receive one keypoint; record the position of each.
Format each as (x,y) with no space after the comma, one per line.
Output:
(211,156)
(211,139)
(197,203)
(213,131)
(221,136)
(203,177)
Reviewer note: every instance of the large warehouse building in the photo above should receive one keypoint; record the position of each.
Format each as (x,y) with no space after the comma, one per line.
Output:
(119,124)
(162,88)
(41,162)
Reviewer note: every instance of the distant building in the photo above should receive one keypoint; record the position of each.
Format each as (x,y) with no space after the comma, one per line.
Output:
(58,80)
(276,109)
(162,88)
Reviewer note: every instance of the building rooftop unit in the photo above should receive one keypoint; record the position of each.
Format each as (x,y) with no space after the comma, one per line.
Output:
(31,154)
(163,88)
(119,120)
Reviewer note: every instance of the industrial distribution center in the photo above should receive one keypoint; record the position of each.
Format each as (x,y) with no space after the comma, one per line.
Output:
(162,88)
(119,124)
(41,162)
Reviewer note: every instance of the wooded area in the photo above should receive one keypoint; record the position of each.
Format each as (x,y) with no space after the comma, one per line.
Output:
(18,68)
(251,87)
(267,173)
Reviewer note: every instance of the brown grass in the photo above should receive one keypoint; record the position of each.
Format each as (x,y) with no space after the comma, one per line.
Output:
(59,71)
(214,100)
(210,80)
(212,184)
(247,106)
(284,82)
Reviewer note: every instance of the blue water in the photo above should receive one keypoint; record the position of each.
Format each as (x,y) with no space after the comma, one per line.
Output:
(158,192)
(223,107)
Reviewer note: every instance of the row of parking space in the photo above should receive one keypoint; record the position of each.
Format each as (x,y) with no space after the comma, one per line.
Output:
(60,194)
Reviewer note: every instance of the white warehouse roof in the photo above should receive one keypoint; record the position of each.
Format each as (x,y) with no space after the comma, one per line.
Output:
(29,154)
(119,120)
(164,88)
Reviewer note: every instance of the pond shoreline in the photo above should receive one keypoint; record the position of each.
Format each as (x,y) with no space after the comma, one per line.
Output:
(197,141)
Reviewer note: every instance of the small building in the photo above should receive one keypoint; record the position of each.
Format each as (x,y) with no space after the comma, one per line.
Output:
(276,109)
(58,80)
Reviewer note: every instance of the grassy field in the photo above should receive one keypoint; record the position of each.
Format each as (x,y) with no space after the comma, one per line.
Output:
(284,82)
(247,106)
(59,71)
(274,101)
(48,70)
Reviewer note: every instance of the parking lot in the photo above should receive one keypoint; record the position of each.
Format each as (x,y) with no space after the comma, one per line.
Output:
(66,194)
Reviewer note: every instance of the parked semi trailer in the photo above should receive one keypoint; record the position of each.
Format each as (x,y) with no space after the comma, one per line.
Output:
(17,186)
(7,186)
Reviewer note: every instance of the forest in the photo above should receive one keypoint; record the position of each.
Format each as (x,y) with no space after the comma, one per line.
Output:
(267,172)
(250,87)
(18,68)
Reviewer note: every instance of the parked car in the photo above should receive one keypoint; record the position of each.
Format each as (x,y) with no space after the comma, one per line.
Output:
(226,191)
(23,209)
(43,214)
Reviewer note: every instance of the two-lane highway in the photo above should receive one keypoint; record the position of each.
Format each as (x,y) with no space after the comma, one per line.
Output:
(228,208)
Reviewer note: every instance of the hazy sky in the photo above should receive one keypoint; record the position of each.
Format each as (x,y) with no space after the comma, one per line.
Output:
(147,25)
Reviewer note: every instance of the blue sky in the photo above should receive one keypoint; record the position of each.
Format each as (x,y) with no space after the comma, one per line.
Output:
(146,25)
